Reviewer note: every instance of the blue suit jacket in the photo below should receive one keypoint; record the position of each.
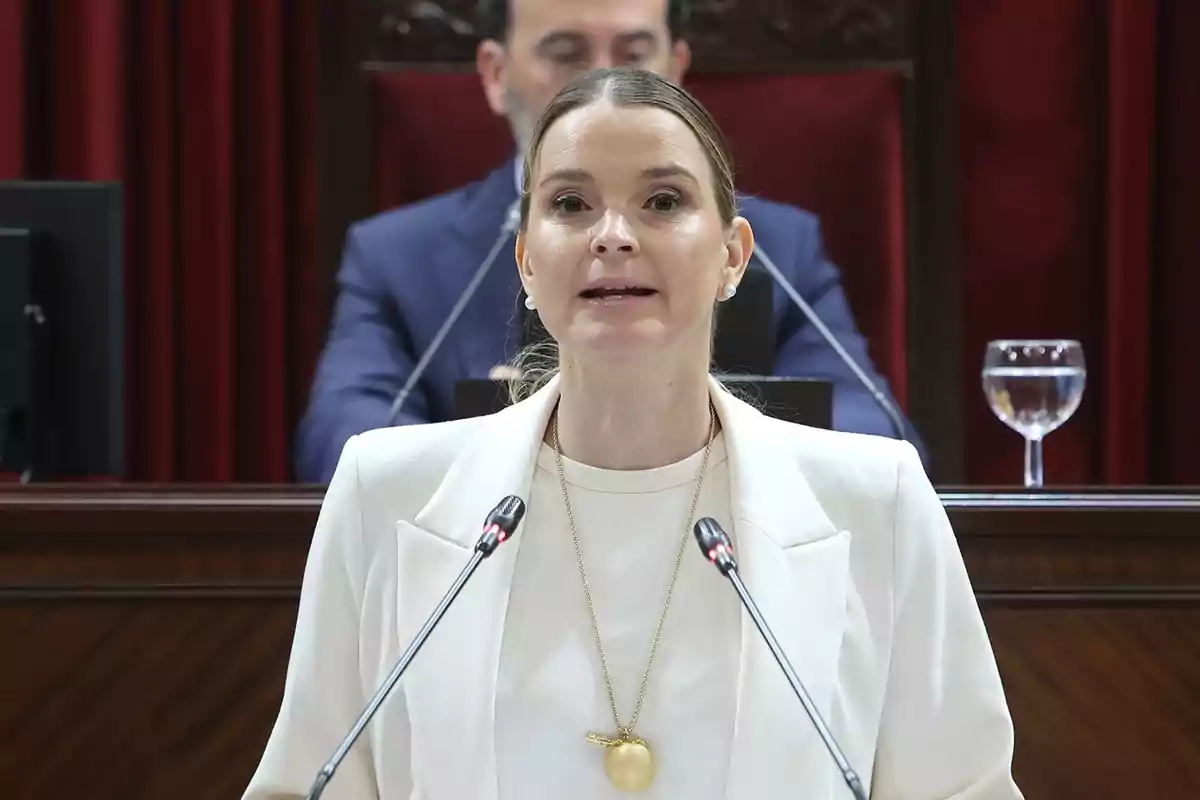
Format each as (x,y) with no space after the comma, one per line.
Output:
(403,270)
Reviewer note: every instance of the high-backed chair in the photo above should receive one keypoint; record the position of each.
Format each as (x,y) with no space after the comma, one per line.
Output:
(828,143)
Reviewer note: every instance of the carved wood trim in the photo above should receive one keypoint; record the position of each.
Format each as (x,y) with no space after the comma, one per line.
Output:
(1122,597)
(723,34)
(1110,547)
(1113,597)
(102,591)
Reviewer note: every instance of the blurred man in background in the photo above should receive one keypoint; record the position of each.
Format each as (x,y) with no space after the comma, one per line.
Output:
(404,270)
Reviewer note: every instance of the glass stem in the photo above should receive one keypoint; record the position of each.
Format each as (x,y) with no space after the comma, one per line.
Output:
(1033,463)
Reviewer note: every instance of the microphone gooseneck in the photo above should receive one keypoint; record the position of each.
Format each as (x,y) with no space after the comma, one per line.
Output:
(498,528)
(715,544)
(815,320)
(511,221)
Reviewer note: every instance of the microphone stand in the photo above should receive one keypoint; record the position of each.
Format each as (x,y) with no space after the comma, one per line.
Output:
(815,320)
(501,524)
(714,543)
(839,758)
(511,221)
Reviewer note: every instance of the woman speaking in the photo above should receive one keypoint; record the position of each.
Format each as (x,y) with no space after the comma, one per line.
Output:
(599,654)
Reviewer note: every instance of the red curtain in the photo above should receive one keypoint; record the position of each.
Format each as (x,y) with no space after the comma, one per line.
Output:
(1080,180)
(204,110)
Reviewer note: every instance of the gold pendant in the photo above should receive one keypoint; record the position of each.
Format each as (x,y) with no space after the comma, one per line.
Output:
(628,763)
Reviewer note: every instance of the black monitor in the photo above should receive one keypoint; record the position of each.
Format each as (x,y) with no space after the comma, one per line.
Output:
(61,323)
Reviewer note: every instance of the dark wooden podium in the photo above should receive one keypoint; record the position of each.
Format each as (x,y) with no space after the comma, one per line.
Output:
(146,632)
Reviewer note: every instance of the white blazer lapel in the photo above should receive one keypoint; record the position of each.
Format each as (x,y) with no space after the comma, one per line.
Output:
(450,689)
(795,563)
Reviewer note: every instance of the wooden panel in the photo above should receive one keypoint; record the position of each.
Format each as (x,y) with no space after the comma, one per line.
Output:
(139,698)
(148,633)
(147,636)
(935,403)
(1105,699)
(1093,608)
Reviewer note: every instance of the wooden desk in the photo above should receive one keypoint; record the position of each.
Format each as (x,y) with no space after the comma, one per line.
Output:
(146,633)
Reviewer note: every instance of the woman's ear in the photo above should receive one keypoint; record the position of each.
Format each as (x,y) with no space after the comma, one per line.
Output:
(739,246)
(523,270)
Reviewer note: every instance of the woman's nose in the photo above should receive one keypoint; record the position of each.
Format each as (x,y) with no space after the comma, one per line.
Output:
(613,235)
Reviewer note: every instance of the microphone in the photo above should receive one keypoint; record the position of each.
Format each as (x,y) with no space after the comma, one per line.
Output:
(714,543)
(498,528)
(512,220)
(810,314)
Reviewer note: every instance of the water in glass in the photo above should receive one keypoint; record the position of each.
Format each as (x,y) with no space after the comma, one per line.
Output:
(1034,400)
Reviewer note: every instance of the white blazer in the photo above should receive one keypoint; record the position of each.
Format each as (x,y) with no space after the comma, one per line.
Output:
(841,540)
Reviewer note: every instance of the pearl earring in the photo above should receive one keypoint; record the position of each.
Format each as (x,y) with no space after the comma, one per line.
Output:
(730,290)
(529,303)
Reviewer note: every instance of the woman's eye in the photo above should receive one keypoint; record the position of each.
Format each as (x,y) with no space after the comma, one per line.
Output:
(568,204)
(665,202)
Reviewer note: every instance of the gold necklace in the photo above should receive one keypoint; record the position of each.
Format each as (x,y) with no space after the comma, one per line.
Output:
(628,761)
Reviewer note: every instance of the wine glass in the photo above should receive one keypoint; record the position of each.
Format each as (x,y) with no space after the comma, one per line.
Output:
(1034,386)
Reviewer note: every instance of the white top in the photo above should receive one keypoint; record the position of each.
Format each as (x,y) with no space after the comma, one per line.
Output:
(551,692)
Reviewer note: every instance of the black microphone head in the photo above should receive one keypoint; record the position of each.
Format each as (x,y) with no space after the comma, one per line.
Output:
(709,534)
(501,523)
(507,514)
(715,544)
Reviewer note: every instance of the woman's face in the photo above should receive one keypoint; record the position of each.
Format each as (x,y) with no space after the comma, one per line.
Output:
(624,249)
